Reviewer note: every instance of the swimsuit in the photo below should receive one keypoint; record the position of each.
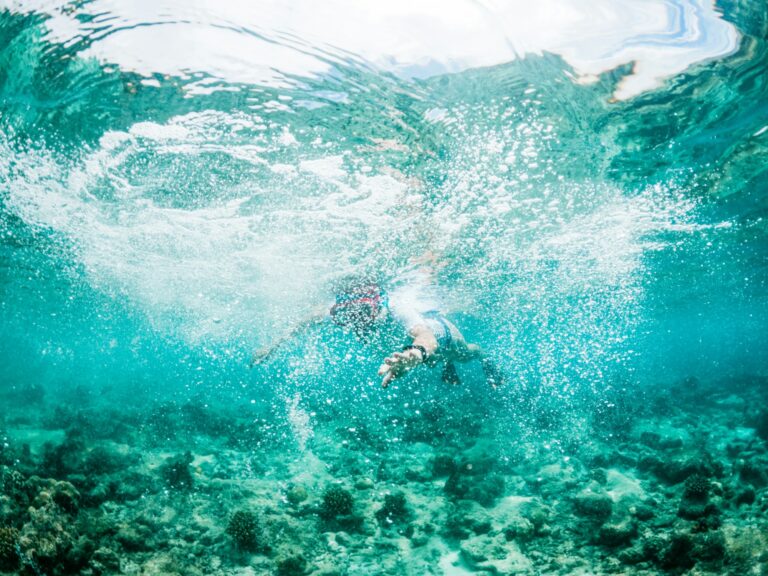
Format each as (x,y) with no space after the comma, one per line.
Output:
(440,328)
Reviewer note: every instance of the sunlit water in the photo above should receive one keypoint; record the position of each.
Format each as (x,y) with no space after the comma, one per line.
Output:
(176,176)
(181,182)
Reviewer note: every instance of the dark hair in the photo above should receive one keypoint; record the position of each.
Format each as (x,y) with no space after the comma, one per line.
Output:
(358,284)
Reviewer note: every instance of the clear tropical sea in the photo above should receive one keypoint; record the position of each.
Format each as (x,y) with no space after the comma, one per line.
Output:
(183,183)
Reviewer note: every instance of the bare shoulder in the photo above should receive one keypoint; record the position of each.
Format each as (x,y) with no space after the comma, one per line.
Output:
(419,330)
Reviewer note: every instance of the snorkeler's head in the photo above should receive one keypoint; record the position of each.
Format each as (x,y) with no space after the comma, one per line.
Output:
(359,301)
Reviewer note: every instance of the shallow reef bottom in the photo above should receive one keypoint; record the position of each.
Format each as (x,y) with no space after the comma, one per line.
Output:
(675,486)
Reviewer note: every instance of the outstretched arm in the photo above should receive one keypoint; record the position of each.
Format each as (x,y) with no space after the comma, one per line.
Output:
(263,354)
(400,363)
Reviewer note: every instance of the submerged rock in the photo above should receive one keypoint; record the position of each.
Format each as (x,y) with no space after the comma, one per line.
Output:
(177,472)
(484,489)
(651,439)
(64,459)
(679,551)
(443,465)
(519,529)
(710,547)
(643,512)
(597,507)
(678,554)
(101,461)
(134,538)
(494,554)
(394,510)
(695,504)
(760,423)
(746,496)
(364,483)
(292,566)
(614,535)
(658,442)
(753,472)
(465,518)
(676,470)
(65,496)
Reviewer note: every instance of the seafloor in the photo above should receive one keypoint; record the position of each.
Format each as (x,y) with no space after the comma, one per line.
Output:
(673,481)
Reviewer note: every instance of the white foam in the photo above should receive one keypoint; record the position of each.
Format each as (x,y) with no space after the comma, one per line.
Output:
(240,265)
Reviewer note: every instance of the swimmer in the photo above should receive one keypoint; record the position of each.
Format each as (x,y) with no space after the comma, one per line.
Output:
(380,319)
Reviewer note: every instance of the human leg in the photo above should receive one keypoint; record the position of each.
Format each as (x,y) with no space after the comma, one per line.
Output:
(466,352)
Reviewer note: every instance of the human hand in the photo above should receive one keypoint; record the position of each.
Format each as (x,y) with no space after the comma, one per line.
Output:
(398,364)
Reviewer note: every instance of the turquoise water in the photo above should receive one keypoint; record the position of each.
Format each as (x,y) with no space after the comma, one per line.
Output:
(180,185)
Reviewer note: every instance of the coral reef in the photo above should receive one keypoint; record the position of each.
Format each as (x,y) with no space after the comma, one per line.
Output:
(677,492)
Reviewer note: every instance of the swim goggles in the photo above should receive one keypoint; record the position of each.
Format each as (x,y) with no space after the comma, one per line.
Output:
(360,308)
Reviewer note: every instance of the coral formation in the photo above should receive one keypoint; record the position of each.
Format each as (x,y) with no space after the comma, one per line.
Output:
(753,473)
(746,496)
(483,488)
(292,566)
(678,553)
(443,465)
(761,424)
(296,494)
(177,472)
(245,531)
(66,458)
(336,502)
(9,542)
(394,510)
(614,535)
(50,541)
(696,487)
